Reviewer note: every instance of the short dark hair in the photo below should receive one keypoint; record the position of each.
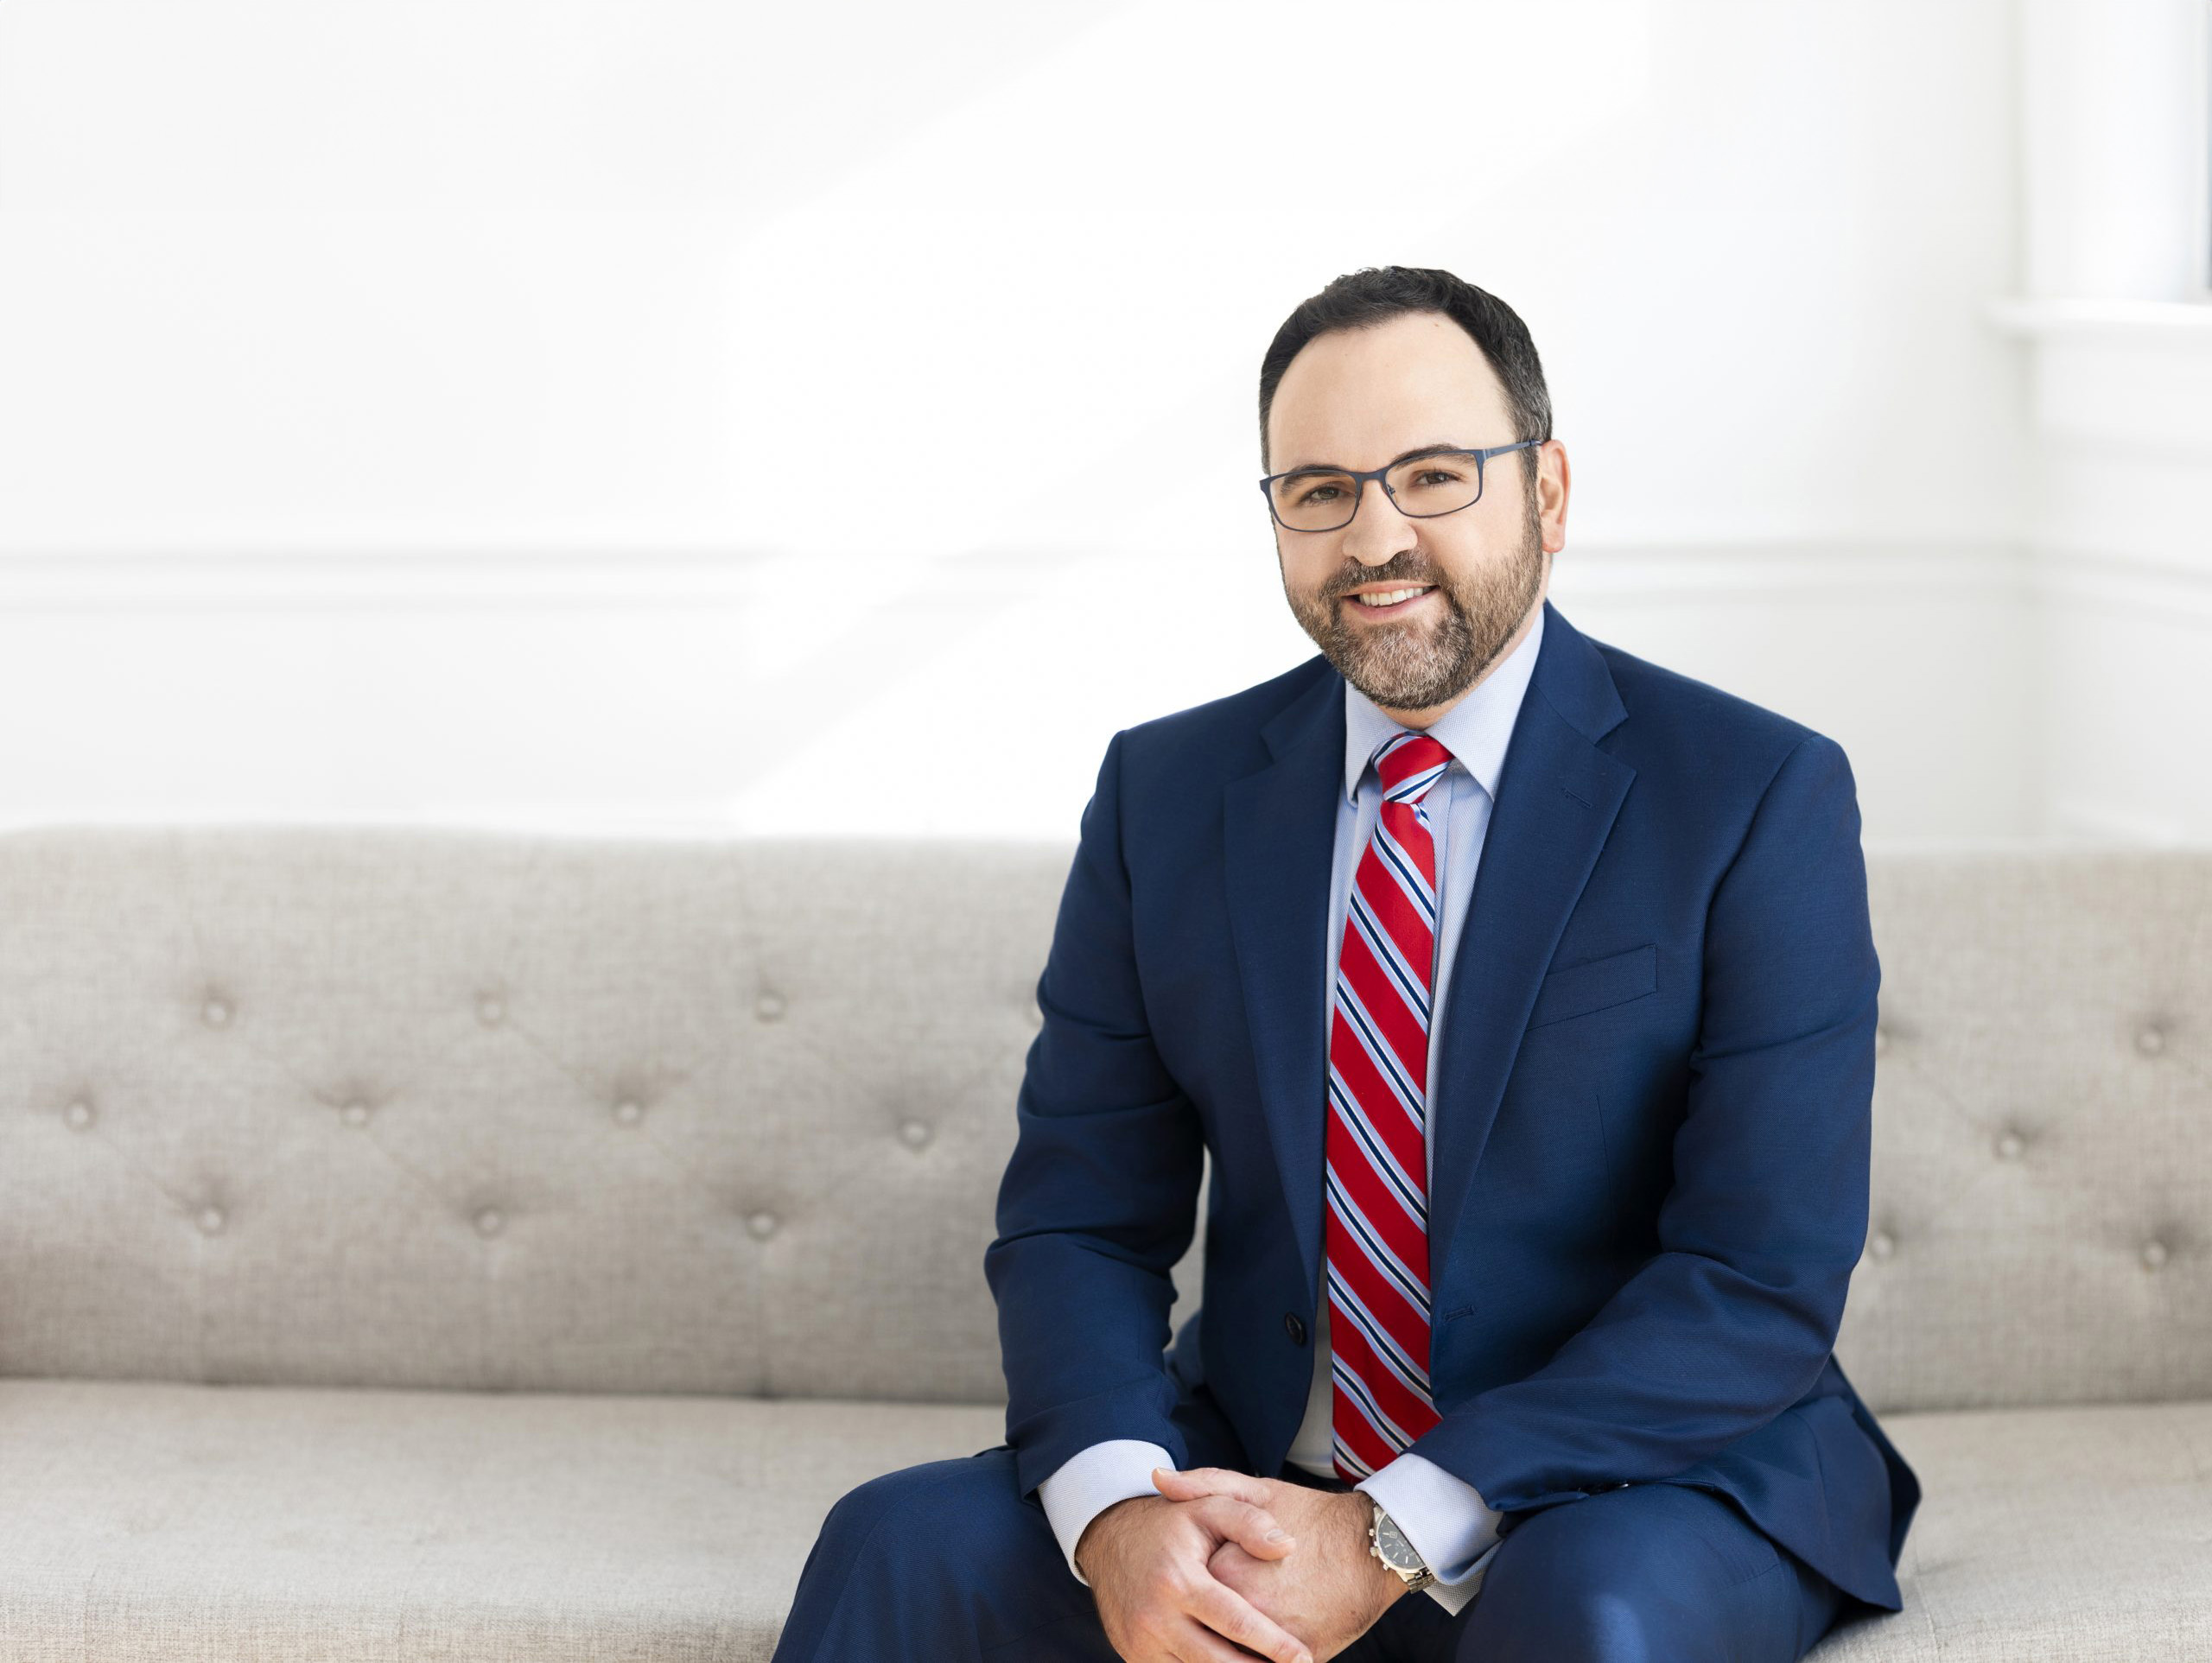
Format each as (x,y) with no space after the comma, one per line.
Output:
(1373,293)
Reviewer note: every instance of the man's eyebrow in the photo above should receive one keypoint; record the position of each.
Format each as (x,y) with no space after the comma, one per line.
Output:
(1339,468)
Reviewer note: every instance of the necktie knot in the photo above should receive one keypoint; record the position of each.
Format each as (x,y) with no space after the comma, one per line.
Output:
(1409,764)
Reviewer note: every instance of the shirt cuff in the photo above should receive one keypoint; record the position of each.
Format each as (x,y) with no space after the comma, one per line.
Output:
(1093,1479)
(1445,1518)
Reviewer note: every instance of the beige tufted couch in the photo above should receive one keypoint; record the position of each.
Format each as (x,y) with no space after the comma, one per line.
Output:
(445,1245)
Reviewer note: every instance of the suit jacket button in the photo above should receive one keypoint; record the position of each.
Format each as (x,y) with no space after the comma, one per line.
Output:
(1293,1325)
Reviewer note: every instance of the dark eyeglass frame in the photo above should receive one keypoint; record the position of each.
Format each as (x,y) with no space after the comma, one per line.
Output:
(1381,476)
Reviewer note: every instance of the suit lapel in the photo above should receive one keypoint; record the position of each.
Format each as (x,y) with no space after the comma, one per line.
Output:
(1557,800)
(1279,829)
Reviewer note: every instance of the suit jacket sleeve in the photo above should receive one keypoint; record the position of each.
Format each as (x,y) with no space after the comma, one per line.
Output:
(1099,1199)
(1733,1318)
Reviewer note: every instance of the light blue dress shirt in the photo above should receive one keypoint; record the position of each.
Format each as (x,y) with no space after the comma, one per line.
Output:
(1445,1518)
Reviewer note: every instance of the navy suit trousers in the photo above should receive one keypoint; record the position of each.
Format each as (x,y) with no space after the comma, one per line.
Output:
(947,1562)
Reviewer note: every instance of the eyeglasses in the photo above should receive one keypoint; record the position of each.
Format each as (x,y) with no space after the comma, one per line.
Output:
(1427,483)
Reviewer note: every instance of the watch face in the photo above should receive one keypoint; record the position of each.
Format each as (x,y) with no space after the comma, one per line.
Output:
(1397,1552)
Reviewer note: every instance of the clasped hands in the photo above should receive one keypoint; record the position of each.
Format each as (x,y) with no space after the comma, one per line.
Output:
(1192,1575)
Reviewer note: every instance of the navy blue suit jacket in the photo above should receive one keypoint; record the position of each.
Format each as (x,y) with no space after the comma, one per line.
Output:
(1651,1124)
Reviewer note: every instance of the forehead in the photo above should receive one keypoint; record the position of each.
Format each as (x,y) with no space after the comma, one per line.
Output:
(1358,398)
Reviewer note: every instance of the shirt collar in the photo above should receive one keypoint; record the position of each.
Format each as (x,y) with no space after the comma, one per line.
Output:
(1474,731)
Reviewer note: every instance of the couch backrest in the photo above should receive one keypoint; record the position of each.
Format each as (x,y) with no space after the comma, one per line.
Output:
(399,1106)
(2041,1215)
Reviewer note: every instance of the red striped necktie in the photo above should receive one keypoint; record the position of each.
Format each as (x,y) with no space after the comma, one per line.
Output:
(1377,1142)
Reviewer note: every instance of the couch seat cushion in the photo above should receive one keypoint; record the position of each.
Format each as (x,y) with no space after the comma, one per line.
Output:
(215,1522)
(2066,1534)
(188,1522)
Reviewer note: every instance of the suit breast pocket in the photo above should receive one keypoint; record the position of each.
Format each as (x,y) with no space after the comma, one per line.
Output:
(1597,985)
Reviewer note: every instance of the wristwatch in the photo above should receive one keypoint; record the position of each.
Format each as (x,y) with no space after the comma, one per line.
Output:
(1389,1544)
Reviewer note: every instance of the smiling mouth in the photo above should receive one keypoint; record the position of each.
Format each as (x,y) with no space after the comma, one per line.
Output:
(1399,600)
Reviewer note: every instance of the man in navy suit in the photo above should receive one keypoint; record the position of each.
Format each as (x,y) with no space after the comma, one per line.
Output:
(1648,1068)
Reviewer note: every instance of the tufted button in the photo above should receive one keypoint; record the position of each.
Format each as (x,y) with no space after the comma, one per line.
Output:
(2154,1254)
(768,1007)
(914,1133)
(2150,1041)
(1295,1325)
(762,1224)
(2008,1145)
(355,1113)
(211,1219)
(78,1114)
(490,1221)
(490,1010)
(1880,1245)
(214,1013)
(629,1111)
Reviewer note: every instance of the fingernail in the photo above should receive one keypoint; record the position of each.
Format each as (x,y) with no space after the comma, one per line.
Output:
(1278,1534)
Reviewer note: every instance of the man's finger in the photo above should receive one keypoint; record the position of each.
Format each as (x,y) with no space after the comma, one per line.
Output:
(1197,1643)
(1209,1480)
(1232,1616)
(1245,1525)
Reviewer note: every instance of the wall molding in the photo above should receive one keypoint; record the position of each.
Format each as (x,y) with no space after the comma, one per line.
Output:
(413,579)
(2121,581)
(2166,325)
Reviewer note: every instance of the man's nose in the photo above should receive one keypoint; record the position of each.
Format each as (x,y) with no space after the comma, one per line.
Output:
(1379,531)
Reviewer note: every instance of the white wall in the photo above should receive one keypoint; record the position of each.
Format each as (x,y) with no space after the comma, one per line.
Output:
(592,416)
